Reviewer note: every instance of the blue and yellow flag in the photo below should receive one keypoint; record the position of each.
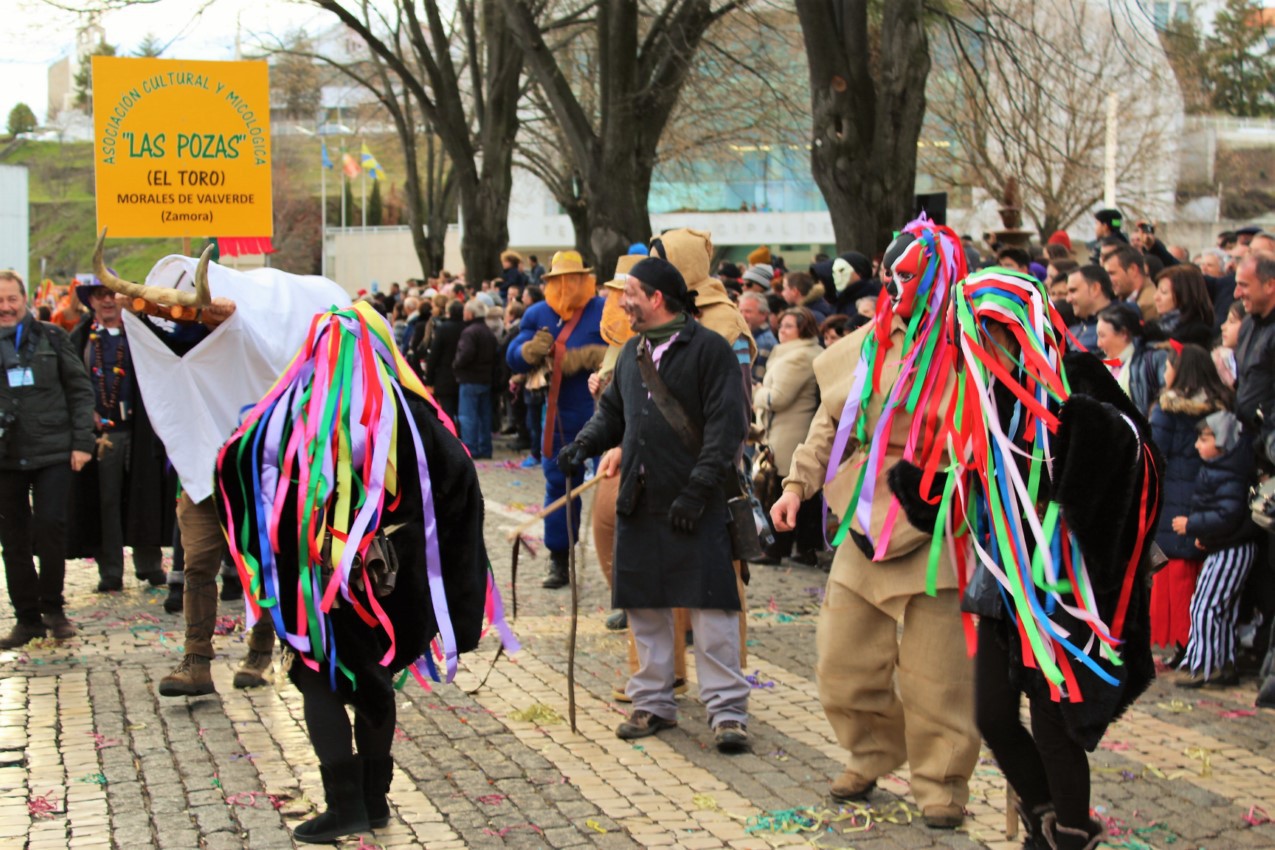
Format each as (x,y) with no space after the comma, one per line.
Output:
(371,165)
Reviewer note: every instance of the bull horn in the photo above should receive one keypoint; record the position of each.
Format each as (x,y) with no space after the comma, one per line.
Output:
(203,296)
(113,283)
(161,295)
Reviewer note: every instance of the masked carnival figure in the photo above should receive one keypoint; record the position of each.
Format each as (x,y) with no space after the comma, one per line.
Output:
(892,696)
(1049,502)
(206,343)
(558,345)
(354,514)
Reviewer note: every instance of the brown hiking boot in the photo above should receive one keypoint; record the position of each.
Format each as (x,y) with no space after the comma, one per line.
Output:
(253,670)
(851,786)
(59,626)
(22,634)
(191,678)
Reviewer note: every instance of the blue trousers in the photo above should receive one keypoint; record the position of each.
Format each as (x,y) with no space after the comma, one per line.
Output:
(475,418)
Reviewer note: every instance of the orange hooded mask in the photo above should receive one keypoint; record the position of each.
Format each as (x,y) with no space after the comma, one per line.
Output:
(569,286)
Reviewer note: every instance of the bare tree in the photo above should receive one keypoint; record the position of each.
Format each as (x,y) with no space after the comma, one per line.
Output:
(612,127)
(461,70)
(429,180)
(868,77)
(1023,95)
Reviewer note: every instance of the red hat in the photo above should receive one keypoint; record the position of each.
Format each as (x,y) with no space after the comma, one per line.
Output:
(1060,237)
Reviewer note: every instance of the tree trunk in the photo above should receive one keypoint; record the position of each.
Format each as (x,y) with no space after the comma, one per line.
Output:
(866,115)
(618,216)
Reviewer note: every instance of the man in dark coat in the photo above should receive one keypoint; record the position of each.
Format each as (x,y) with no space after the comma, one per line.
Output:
(46,413)
(473,365)
(440,376)
(126,496)
(672,543)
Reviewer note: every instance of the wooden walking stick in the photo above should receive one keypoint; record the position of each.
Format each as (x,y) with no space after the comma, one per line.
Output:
(555,505)
(575,608)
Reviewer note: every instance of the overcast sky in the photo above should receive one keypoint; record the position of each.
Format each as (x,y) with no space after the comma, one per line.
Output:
(36,34)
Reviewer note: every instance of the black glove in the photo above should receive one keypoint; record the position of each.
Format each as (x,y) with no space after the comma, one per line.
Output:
(689,506)
(571,460)
(904,479)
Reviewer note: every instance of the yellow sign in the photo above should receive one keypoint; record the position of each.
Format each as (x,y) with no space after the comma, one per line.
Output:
(182,148)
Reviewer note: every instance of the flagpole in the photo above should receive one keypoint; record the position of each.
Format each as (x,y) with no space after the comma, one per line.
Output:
(323,212)
(363,215)
(343,179)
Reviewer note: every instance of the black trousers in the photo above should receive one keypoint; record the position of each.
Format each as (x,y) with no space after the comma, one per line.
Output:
(1044,766)
(328,723)
(33,508)
(112,469)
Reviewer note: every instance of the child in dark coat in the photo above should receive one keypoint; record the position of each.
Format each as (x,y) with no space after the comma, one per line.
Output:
(1220,525)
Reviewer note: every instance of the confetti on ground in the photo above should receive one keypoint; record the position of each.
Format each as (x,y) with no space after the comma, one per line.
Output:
(1176,706)
(755,681)
(400,735)
(93,779)
(1257,816)
(43,806)
(539,714)
(526,827)
(101,742)
(248,799)
(227,625)
(491,799)
(850,818)
(596,827)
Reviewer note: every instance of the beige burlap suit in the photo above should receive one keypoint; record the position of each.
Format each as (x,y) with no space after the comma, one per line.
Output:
(892,696)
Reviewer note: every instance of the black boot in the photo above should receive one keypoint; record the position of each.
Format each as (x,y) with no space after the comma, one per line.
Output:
(175,601)
(377,773)
(1059,837)
(346,813)
(1033,834)
(559,574)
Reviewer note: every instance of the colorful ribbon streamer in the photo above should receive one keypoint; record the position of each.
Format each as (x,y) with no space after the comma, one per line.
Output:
(329,431)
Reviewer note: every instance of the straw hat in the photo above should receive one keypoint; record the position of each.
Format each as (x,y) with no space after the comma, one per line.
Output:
(622,267)
(567,262)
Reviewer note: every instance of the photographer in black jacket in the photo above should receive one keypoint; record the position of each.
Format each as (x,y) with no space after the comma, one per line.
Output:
(46,413)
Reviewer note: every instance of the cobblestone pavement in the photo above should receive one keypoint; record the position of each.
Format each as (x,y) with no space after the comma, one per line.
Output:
(92,757)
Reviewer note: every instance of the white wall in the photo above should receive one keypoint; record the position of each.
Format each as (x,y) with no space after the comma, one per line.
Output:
(15,226)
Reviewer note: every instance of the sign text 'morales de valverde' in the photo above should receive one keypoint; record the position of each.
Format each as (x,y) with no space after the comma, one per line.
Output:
(182,148)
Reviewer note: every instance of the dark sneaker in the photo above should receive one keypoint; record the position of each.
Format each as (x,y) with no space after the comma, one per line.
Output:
(191,678)
(107,585)
(155,579)
(59,626)
(641,724)
(22,634)
(252,670)
(731,736)
(618,622)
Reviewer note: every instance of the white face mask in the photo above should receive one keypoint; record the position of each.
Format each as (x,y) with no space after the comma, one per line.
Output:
(841,273)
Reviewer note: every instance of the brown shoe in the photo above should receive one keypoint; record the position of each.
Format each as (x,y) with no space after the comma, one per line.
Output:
(851,786)
(191,678)
(59,626)
(22,634)
(642,723)
(943,817)
(253,670)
